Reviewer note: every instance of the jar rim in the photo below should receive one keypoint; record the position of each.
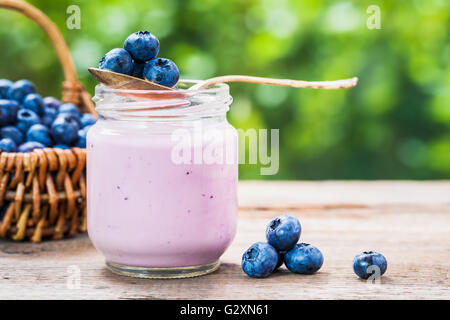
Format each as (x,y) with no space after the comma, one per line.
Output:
(182,82)
(146,105)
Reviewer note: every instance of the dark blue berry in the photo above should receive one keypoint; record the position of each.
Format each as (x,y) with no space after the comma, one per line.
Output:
(117,60)
(8,111)
(49,116)
(19,90)
(40,133)
(162,71)
(260,260)
(142,45)
(283,232)
(303,258)
(34,102)
(65,130)
(69,108)
(52,102)
(87,119)
(5,84)
(61,146)
(280,259)
(30,146)
(12,133)
(372,259)
(138,69)
(81,141)
(25,119)
(8,145)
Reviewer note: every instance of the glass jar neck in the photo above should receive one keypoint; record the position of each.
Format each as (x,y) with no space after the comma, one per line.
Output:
(163,105)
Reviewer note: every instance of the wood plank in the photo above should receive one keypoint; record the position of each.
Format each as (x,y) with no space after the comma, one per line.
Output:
(413,235)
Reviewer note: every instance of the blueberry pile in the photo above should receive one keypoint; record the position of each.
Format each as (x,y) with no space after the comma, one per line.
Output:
(282,234)
(28,121)
(138,58)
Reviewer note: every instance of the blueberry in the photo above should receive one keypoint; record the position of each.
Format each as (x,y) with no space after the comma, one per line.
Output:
(138,69)
(280,259)
(8,111)
(12,133)
(61,146)
(52,102)
(25,119)
(260,260)
(40,133)
(49,116)
(5,84)
(19,90)
(162,71)
(117,60)
(283,232)
(34,102)
(8,145)
(81,141)
(69,108)
(303,258)
(363,261)
(87,119)
(65,130)
(30,146)
(142,45)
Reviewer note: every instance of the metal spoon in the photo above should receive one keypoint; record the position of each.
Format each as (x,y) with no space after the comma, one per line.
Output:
(122,81)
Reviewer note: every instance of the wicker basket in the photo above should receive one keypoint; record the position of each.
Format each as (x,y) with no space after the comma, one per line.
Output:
(43,193)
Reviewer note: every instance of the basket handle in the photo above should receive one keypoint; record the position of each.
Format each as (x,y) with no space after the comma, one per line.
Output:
(73,90)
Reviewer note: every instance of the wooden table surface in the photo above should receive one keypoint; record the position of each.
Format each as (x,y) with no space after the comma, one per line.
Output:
(409,222)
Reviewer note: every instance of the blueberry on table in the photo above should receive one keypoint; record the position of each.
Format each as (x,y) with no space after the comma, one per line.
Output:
(49,116)
(87,119)
(117,60)
(8,145)
(280,259)
(142,45)
(65,130)
(25,119)
(162,71)
(366,259)
(5,84)
(69,108)
(283,232)
(30,146)
(8,111)
(52,102)
(260,260)
(12,133)
(303,258)
(34,102)
(20,89)
(138,69)
(40,133)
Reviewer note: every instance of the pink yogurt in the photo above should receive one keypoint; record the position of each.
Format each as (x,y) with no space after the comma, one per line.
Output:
(145,210)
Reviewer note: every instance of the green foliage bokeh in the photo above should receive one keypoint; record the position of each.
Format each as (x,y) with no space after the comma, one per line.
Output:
(393,125)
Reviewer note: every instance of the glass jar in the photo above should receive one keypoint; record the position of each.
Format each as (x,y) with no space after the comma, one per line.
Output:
(162,175)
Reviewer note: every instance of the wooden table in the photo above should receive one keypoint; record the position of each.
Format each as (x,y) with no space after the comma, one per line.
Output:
(409,222)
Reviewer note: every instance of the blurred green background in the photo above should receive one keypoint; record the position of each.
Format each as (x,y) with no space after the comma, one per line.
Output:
(393,125)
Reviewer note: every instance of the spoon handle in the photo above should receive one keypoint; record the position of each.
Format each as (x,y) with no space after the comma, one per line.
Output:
(336,84)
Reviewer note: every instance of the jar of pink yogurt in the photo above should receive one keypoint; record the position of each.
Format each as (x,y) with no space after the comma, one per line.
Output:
(162,175)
